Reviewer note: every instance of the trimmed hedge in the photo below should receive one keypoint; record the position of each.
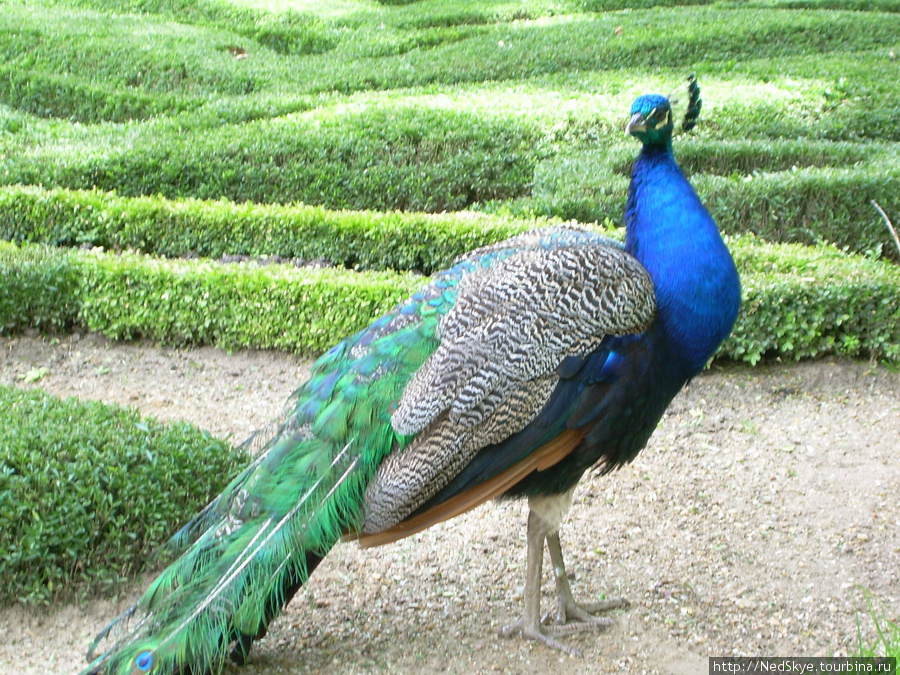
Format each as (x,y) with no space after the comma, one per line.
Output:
(783,191)
(809,206)
(52,95)
(287,32)
(804,205)
(121,51)
(39,288)
(671,38)
(392,49)
(232,305)
(89,491)
(803,302)
(366,240)
(395,157)
(799,302)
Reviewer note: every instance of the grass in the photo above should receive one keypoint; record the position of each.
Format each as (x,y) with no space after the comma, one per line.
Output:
(887,631)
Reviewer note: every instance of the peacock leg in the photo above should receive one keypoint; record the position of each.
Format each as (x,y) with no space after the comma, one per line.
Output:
(570,614)
(545,514)
(529,626)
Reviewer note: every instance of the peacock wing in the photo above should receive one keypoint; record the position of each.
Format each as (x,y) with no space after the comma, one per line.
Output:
(552,295)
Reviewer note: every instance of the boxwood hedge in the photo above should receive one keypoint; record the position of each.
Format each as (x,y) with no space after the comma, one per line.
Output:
(88,492)
(783,191)
(799,302)
(367,240)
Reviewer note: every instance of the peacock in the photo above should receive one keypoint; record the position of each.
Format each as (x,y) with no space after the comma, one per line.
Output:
(509,374)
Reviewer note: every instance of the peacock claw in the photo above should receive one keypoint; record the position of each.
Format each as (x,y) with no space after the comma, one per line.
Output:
(570,613)
(570,619)
(540,634)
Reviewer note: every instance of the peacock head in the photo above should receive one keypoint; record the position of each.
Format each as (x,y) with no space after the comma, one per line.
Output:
(651,120)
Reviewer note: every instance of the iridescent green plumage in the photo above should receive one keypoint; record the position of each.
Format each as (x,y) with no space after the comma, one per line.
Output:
(299,496)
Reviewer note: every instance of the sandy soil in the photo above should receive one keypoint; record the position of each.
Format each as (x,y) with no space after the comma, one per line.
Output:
(764,504)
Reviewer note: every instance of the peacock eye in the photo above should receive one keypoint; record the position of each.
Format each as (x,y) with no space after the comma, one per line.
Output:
(144,661)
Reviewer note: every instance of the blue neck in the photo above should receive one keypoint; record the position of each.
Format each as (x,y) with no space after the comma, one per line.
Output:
(670,231)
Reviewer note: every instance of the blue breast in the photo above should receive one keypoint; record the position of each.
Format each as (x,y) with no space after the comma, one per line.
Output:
(698,290)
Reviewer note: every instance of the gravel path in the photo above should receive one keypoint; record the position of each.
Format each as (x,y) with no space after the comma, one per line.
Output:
(764,503)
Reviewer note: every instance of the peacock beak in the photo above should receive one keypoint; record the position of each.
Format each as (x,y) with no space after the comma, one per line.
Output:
(636,124)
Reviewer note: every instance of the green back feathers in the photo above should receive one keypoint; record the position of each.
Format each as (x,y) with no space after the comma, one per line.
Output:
(300,495)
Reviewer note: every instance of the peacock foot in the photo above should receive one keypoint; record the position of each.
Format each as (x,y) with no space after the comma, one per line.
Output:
(539,633)
(581,617)
(570,618)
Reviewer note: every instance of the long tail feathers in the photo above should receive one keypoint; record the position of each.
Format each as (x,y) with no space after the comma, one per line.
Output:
(236,576)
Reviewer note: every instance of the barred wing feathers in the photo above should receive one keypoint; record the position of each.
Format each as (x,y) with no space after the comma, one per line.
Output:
(559,294)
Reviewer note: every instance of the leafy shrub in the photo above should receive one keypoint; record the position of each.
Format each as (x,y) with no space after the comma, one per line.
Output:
(112,50)
(799,302)
(797,192)
(367,240)
(51,95)
(39,288)
(679,38)
(613,5)
(855,5)
(235,305)
(726,157)
(378,49)
(88,491)
(399,157)
(92,67)
(808,206)
(286,32)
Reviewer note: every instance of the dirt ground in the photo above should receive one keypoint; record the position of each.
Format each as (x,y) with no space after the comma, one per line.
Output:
(763,506)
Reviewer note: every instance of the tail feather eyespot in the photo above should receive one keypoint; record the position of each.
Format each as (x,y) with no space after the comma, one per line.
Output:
(144,661)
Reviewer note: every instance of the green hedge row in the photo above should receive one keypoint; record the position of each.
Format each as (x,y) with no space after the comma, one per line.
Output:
(156,47)
(407,157)
(233,305)
(40,288)
(286,32)
(53,95)
(854,5)
(803,302)
(806,205)
(89,491)
(366,240)
(658,38)
(124,51)
(797,191)
(799,302)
